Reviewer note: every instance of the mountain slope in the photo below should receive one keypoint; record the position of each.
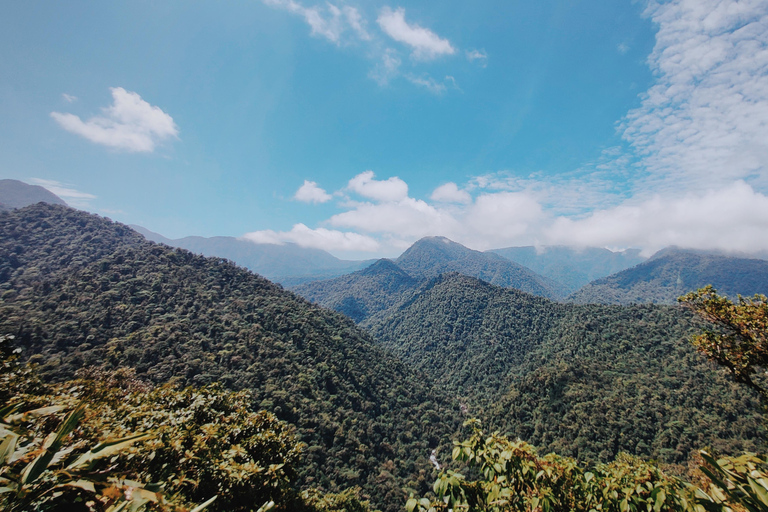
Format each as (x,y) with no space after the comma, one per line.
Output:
(587,381)
(573,268)
(432,256)
(76,290)
(288,264)
(17,194)
(362,293)
(673,272)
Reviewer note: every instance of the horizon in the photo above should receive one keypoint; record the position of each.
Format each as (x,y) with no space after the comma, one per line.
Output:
(359,127)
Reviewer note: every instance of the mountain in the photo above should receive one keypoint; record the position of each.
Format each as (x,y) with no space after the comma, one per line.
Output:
(587,381)
(572,268)
(288,264)
(432,256)
(17,194)
(673,272)
(362,293)
(79,290)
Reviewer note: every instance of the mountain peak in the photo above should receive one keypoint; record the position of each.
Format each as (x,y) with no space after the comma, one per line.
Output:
(17,194)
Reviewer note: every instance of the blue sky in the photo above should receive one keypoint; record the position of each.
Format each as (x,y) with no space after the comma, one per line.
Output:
(360,126)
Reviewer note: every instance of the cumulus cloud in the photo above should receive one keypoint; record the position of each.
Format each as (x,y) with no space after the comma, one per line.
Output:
(320,238)
(705,120)
(130,124)
(425,44)
(330,22)
(309,192)
(391,189)
(70,195)
(450,193)
(733,218)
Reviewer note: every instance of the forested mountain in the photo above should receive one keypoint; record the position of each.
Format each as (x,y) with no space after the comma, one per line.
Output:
(78,290)
(673,272)
(362,293)
(587,381)
(288,264)
(572,267)
(17,194)
(434,255)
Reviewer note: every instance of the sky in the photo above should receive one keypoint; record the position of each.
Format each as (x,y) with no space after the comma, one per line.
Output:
(360,126)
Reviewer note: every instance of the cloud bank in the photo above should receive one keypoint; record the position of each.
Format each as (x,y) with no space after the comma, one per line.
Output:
(129,124)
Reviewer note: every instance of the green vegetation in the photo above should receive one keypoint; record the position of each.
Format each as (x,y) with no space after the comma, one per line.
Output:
(187,446)
(587,382)
(435,255)
(673,272)
(77,290)
(363,293)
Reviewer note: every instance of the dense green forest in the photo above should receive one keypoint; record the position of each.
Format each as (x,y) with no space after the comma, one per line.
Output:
(673,272)
(80,290)
(584,381)
(363,293)
(435,255)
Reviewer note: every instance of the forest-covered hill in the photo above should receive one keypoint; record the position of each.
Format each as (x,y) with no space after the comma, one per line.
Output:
(572,267)
(673,272)
(363,293)
(435,255)
(77,289)
(586,381)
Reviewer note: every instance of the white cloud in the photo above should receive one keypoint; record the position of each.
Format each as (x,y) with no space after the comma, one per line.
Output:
(406,218)
(320,238)
(426,45)
(478,56)
(330,22)
(428,83)
(622,48)
(309,192)
(450,193)
(732,218)
(68,97)
(130,124)
(387,68)
(705,120)
(70,195)
(392,189)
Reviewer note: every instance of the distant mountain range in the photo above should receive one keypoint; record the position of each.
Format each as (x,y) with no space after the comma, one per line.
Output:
(17,194)
(572,268)
(672,272)
(287,264)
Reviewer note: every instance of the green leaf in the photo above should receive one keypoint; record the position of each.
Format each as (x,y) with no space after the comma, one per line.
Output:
(204,505)
(107,449)
(7,447)
(36,468)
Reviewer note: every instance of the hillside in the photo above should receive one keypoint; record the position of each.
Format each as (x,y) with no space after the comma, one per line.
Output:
(17,194)
(363,293)
(572,268)
(432,256)
(673,272)
(288,264)
(77,290)
(586,381)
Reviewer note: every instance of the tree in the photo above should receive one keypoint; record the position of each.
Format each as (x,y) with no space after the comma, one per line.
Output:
(738,336)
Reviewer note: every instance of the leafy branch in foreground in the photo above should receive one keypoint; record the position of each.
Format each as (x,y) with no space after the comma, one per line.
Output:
(738,336)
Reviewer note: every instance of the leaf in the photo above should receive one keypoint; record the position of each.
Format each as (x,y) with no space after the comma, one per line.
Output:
(36,468)
(202,506)
(7,447)
(263,508)
(36,413)
(107,448)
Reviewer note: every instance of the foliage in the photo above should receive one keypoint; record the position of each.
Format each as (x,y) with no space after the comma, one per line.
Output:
(672,272)
(738,336)
(78,290)
(584,381)
(188,445)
